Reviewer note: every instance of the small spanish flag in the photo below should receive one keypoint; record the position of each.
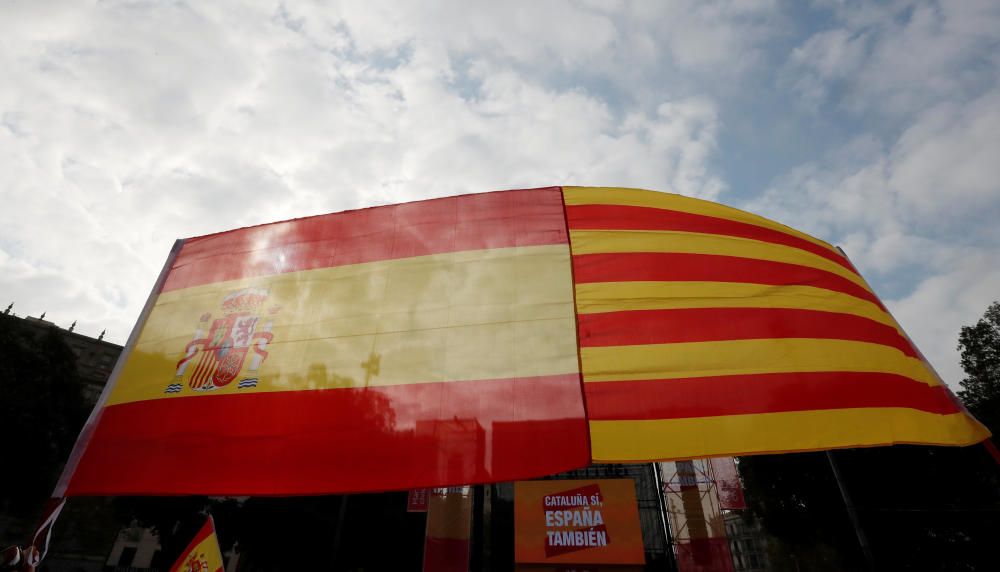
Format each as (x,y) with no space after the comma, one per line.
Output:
(203,554)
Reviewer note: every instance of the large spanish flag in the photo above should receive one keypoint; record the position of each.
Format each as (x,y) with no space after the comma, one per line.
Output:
(404,346)
(440,343)
(709,331)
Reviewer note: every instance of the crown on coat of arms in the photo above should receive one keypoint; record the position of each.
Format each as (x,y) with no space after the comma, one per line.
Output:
(245,300)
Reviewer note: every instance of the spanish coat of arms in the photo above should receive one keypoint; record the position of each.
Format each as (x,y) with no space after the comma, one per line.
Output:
(219,350)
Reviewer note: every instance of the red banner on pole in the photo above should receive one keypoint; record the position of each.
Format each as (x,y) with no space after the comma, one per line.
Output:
(727,478)
(694,509)
(416,500)
(449,529)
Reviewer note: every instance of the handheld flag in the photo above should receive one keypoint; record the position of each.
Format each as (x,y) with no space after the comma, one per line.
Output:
(203,554)
(440,343)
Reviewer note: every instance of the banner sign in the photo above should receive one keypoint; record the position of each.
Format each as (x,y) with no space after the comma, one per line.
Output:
(728,480)
(416,500)
(594,521)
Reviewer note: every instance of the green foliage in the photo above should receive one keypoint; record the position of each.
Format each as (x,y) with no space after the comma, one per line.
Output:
(41,413)
(922,508)
(980,347)
(800,506)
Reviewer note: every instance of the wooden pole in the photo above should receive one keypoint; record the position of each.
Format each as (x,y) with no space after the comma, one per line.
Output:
(992,449)
(341,512)
(852,513)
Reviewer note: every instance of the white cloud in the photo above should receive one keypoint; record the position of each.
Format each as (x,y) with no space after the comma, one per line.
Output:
(918,218)
(135,123)
(717,34)
(825,58)
(126,124)
(915,195)
(899,57)
(946,163)
(940,305)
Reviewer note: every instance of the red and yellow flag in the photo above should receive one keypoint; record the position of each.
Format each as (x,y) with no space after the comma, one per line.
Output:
(708,331)
(440,343)
(203,554)
(398,347)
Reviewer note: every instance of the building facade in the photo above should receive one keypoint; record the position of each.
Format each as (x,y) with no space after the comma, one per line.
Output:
(87,526)
(747,542)
(95,357)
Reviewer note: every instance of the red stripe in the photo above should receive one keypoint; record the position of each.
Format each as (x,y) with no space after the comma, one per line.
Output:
(679,267)
(338,440)
(446,554)
(207,530)
(197,379)
(713,324)
(760,393)
(618,217)
(197,369)
(469,222)
(207,367)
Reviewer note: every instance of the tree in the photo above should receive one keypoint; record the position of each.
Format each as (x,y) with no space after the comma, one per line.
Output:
(41,413)
(797,500)
(980,347)
(922,508)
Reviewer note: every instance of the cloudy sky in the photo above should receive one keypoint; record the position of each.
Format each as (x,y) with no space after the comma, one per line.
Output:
(127,124)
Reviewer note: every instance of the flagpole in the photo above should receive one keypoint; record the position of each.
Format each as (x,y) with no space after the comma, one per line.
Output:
(848,503)
(341,512)
(852,513)
(991,448)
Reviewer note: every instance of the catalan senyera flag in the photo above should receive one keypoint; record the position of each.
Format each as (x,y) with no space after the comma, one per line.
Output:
(441,343)
(708,331)
(203,554)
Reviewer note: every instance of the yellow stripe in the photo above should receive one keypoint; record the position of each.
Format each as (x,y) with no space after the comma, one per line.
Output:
(675,202)
(209,550)
(605,241)
(735,357)
(667,439)
(620,296)
(461,316)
